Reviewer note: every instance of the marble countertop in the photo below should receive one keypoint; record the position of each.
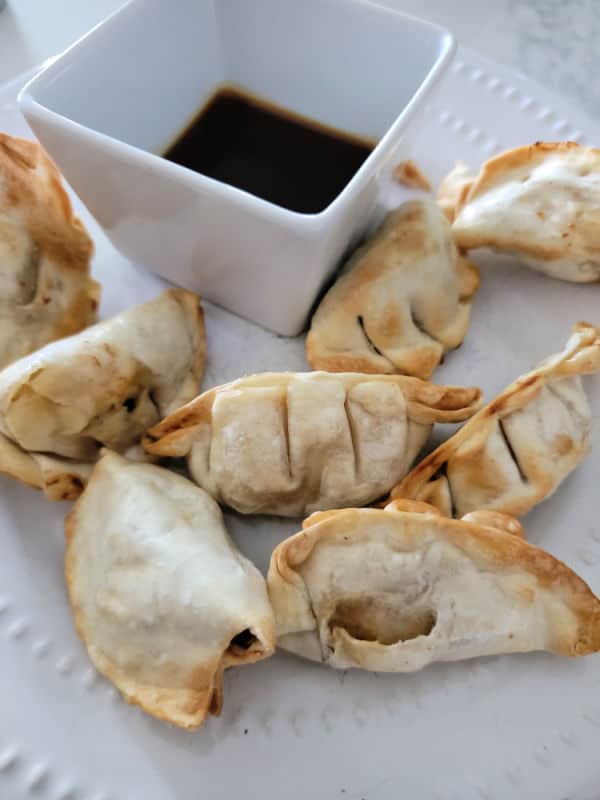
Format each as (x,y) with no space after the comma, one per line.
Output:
(552,41)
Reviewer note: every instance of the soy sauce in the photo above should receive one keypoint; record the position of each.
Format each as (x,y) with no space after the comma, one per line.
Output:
(271,152)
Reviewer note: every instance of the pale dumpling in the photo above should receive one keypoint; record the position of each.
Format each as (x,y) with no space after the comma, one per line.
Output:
(160,595)
(402,301)
(395,590)
(453,189)
(540,203)
(46,291)
(518,449)
(102,387)
(290,443)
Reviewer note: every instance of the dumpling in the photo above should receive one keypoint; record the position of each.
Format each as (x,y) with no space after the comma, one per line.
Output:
(403,301)
(395,590)
(453,189)
(516,450)
(160,595)
(540,203)
(289,443)
(46,291)
(103,387)
(407,173)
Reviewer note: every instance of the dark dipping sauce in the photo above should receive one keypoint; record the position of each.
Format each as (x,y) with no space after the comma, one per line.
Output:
(269,151)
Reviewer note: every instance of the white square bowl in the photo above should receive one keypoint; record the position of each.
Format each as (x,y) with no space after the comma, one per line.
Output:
(107,108)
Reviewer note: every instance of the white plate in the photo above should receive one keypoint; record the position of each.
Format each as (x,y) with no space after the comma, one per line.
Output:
(508,727)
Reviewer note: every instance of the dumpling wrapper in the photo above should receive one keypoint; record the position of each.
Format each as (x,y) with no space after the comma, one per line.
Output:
(395,590)
(540,203)
(407,173)
(403,300)
(102,387)
(453,189)
(516,450)
(293,442)
(46,291)
(160,595)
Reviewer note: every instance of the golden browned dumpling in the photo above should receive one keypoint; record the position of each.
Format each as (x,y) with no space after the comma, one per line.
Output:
(291,442)
(540,203)
(102,387)
(46,291)
(403,300)
(395,590)
(516,450)
(160,595)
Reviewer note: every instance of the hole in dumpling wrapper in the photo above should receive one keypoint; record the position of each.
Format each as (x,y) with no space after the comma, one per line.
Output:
(130,403)
(242,642)
(377,619)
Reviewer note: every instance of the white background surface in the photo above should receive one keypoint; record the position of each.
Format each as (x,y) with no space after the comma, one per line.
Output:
(552,41)
(508,728)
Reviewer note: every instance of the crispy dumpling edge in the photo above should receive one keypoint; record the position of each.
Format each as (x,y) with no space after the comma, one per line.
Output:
(516,157)
(497,543)
(580,356)
(427,403)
